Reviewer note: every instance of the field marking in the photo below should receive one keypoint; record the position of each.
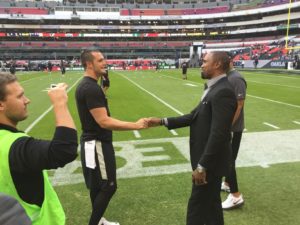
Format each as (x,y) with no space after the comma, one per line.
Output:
(257,149)
(173,132)
(176,78)
(274,101)
(29,128)
(137,134)
(290,76)
(153,95)
(191,85)
(25,81)
(265,166)
(273,84)
(271,125)
(253,96)
(44,76)
(296,122)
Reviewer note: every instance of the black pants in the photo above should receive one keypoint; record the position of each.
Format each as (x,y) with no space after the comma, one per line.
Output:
(232,178)
(101,181)
(205,206)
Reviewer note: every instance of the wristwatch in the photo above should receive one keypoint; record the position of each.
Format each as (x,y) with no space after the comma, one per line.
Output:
(200,168)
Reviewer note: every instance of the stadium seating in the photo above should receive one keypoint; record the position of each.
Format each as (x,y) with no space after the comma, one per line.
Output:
(141,29)
(24,11)
(34,44)
(268,3)
(161,12)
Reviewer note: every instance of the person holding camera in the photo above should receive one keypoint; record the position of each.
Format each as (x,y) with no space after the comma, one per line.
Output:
(25,159)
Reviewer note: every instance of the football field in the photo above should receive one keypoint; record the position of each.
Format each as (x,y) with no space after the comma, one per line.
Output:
(154,174)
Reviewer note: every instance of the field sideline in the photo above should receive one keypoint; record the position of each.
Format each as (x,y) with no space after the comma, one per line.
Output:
(154,163)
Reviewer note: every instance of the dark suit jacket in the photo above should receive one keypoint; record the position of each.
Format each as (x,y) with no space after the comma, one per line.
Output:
(210,124)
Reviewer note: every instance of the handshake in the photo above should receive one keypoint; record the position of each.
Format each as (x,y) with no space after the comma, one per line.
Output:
(147,122)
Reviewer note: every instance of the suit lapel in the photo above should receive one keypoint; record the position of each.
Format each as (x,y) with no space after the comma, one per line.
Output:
(206,98)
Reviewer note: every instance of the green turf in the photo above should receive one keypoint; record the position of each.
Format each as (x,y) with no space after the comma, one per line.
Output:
(270,198)
(271,194)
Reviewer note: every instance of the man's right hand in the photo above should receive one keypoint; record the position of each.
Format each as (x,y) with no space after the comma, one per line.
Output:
(59,98)
(58,94)
(142,123)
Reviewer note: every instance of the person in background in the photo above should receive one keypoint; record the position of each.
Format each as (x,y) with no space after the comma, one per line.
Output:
(97,152)
(235,198)
(62,67)
(210,123)
(49,67)
(157,66)
(184,70)
(12,68)
(243,63)
(24,159)
(256,61)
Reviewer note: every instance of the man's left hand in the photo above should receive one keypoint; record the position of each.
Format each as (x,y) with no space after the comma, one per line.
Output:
(199,177)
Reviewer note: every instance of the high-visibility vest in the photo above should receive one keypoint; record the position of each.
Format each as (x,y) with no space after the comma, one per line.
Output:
(51,211)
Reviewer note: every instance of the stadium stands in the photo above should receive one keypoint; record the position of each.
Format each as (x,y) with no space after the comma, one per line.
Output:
(145,29)
(24,11)
(161,12)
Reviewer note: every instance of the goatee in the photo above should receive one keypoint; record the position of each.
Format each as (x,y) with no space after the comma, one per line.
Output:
(203,75)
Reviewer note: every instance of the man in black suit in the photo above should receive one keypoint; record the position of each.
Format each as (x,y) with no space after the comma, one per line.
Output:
(210,149)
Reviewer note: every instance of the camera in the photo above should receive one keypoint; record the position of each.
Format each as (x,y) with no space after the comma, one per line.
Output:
(53,85)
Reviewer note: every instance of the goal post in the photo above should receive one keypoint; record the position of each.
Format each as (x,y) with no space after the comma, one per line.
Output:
(287,46)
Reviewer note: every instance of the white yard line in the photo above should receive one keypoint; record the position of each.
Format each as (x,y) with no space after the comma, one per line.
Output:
(296,122)
(137,134)
(175,78)
(25,81)
(174,132)
(191,85)
(271,125)
(269,148)
(153,95)
(29,128)
(253,96)
(277,76)
(270,100)
(250,81)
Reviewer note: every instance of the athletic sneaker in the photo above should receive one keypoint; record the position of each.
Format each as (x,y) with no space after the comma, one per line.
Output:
(103,221)
(225,187)
(232,202)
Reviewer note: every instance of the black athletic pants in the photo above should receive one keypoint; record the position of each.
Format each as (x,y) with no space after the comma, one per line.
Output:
(101,181)
(232,178)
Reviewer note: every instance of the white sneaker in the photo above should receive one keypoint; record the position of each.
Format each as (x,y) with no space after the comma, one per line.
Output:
(232,202)
(103,221)
(225,187)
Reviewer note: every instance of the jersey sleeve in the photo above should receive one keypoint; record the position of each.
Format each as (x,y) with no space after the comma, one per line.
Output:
(94,97)
(29,154)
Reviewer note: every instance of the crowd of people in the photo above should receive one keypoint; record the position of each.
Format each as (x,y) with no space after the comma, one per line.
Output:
(24,159)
